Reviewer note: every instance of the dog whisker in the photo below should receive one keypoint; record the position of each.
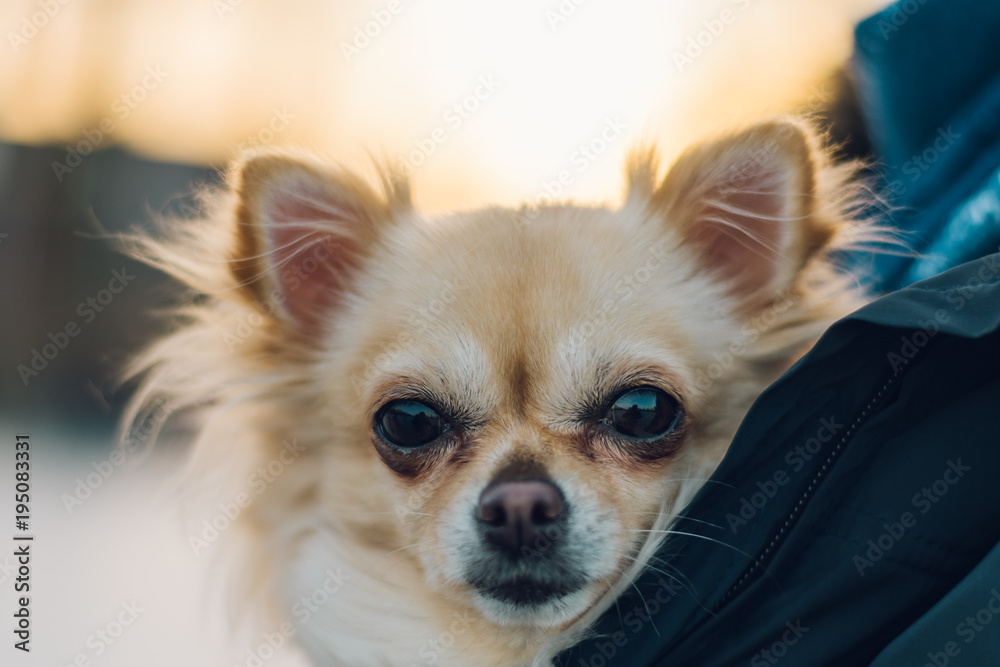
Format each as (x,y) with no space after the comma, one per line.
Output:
(493,367)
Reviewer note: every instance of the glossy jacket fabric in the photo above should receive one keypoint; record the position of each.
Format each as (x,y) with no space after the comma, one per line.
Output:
(927,78)
(856,518)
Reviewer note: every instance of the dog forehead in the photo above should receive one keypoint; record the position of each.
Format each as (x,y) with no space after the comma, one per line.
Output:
(499,269)
(499,306)
(508,283)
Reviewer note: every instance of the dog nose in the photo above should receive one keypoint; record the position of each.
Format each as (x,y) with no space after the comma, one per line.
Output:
(513,512)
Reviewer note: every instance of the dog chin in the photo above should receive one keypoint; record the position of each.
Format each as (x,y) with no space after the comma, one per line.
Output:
(528,602)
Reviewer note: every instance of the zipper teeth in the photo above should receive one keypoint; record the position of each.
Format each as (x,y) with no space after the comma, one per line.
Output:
(751,573)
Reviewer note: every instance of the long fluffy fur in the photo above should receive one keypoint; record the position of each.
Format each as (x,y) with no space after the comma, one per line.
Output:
(247,386)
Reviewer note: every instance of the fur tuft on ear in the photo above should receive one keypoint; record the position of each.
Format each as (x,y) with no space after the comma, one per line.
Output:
(303,231)
(748,204)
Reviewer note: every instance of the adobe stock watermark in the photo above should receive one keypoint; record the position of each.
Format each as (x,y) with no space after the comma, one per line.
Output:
(793,634)
(912,343)
(750,332)
(920,163)
(224,8)
(40,357)
(8,568)
(547,537)
(303,609)
(796,459)
(634,620)
(293,276)
(711,30)
(967,629)
(624,289)
(269,645)
(432,650)
(923,501)
(213,527)
(414,500)
(562,12)
(581,159)
(417,324)
(106,467)
(372,28)
(900,14)
(101,640)
(121,108)
(453,118)
(307,605)
(32,24)
(279,121)
(752,167)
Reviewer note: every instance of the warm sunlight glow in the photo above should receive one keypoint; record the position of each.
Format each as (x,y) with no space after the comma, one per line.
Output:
(483,101)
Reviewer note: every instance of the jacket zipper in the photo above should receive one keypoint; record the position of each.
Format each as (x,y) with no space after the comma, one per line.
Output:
(760,563)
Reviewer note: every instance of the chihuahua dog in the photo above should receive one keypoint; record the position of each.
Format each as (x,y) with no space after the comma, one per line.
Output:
(471,432)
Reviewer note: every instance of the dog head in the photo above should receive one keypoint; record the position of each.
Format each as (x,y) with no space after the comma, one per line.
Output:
(517,402)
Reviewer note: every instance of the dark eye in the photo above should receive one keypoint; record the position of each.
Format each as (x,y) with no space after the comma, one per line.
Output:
(409,423)
(645,413)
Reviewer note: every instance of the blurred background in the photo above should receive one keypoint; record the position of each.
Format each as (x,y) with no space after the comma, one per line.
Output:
(114,111)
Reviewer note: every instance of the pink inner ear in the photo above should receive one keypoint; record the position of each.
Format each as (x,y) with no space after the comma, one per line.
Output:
(741,231)
(313,249)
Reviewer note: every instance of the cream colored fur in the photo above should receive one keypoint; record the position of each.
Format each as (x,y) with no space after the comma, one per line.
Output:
(514,313)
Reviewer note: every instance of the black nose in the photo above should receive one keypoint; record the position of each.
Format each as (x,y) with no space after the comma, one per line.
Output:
(512,513)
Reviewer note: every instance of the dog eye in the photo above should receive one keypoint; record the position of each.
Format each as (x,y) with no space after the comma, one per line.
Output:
(409,423)
(645,413)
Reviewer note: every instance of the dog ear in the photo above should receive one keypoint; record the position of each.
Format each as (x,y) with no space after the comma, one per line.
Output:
(303,231)
(748,204)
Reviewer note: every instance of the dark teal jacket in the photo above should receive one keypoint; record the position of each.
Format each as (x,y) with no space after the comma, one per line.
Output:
(856,518)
